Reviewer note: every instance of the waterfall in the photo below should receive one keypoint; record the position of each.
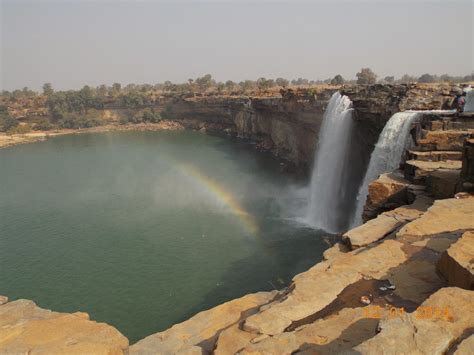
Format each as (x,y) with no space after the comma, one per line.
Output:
(386,155)
(328,181)
(469,105)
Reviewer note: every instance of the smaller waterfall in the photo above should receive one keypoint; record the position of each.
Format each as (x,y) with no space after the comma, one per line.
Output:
(328,179)
(386,156)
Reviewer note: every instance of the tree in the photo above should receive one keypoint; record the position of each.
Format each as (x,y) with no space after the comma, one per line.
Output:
(48,89)
(338,80)
(116,89)
(405,79)
(205,82)
(389,79)
(426,78)
(282,82)
(264,84)
(366,76)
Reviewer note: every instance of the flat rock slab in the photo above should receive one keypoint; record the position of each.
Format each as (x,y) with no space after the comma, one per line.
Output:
(339,332)
(457,262)
(371,231)
(202,330)
(316,288)
(449,216)
(385,223)
(418,170)
(435,155)
(466,347)
(429,330)
(26,328)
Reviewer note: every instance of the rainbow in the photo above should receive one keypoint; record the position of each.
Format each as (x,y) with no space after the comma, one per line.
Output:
(226,197)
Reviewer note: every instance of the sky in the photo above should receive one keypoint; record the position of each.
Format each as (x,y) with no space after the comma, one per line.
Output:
(72,43)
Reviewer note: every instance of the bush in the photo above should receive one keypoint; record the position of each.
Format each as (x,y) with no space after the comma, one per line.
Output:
(43,125)
(19,129)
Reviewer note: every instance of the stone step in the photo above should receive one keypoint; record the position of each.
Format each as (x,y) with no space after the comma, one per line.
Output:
(444,183)
(436,155)
(449,140)
(417,171)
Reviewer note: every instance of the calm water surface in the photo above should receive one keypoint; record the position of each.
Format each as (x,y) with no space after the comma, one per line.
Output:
(144,229)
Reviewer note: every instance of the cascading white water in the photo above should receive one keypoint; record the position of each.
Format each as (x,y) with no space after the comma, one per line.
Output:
(386,155)
(328,180)
(469,105)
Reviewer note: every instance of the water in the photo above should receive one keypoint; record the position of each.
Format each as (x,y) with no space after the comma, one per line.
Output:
(331,163)
(144,229)
(386,155)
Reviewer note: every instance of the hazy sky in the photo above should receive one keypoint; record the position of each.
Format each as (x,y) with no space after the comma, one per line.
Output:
(72,43)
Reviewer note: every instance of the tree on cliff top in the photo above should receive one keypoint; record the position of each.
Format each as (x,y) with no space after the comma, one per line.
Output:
(282,82)
(427,78)
(366,76)
(337,80)
(48,89)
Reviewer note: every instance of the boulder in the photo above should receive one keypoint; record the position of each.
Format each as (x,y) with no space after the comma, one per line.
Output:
(457,263)
(386,223)
(27,328)
(385,193)
(203,329)
(444,183)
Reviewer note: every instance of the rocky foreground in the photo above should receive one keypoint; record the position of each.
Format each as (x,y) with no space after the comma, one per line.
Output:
(400,283)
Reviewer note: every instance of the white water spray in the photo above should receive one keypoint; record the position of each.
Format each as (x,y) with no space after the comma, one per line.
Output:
(386,156)
(328,179)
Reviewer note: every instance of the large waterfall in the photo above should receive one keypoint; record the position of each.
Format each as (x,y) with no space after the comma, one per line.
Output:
(386,156)
(328,180)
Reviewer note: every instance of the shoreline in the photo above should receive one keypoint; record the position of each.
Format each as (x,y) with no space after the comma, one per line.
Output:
(39,136)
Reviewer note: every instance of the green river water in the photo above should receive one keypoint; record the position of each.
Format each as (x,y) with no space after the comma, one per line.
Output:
(144,229)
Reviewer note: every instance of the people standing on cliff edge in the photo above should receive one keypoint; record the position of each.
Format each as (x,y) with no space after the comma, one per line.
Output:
(459,100)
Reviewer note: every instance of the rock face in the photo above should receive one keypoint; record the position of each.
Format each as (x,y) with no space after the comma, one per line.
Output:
(386,193)
(26,328)
(457,263)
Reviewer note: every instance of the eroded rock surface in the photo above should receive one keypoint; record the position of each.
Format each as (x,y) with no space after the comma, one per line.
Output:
(203,329)
(457,263)
(440,321)
(26,328)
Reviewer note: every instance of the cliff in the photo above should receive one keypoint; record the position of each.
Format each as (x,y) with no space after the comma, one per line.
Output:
(405,277)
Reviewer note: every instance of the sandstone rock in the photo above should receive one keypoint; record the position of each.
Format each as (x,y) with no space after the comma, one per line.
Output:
(335,251)
(435,155)
(3,299)
(451,140)
(332,335)
(467,173)
(428,331)
(386,223)
(203,329)
(27,328)
(444,183)
(232,340)
(316,288)
(457,263)
(418,170)
(466,347)
(371,231)
(450,216)
(385,193)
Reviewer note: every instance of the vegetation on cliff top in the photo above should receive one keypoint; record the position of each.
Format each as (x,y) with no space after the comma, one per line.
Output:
(78,108)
